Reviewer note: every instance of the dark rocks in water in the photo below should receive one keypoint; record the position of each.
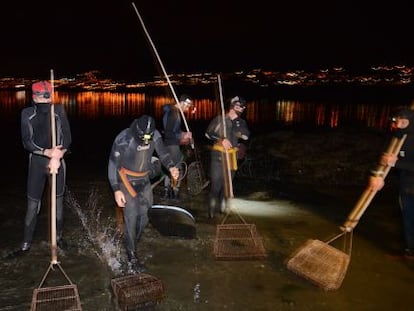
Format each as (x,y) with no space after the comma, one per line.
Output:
(318,157)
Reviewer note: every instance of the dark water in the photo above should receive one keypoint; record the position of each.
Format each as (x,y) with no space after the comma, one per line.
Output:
(285,216)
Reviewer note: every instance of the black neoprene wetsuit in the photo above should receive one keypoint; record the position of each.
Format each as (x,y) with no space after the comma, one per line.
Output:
(236,129)
(36,137)
(172,135)
(130,170)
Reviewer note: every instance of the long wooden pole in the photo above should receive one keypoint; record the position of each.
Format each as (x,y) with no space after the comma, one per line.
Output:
(368,195)
(228,180)
(53,177)
(163,69)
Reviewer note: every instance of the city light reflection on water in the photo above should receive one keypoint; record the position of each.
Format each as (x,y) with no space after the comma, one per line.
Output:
(266,112)
(282,224)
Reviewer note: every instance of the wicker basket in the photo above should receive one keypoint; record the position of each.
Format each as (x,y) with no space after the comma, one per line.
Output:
(56,298)
(320,263)
(238,242)
(137,290)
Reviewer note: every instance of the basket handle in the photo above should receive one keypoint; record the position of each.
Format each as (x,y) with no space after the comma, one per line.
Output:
(231,209)
(51,268)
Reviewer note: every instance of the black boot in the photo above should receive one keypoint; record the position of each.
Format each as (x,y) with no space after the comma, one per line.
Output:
(33,208)
(131,256)
(211,207)
(134,265)
(167,193)
(223,207)
(132,262)
(175,194)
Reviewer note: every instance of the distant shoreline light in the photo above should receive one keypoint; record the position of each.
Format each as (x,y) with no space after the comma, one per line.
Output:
(398,75)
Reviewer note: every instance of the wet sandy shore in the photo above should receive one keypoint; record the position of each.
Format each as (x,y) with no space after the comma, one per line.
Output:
(285,215)
(194,279)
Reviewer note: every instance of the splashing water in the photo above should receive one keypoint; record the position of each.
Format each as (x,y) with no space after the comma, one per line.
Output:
(101,233)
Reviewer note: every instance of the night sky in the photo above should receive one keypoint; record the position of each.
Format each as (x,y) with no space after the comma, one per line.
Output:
(193,36)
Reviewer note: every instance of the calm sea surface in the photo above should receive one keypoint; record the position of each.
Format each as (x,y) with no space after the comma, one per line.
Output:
(263,112)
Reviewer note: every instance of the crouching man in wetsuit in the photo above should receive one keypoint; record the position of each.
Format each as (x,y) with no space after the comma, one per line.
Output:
(43,159)
(225,140)
(129,172)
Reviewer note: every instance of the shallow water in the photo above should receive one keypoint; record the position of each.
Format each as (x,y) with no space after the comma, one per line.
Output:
(285,217)
(193,278)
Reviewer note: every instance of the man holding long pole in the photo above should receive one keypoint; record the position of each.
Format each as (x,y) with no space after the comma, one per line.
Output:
(44,157)
(224,131)
(174,138)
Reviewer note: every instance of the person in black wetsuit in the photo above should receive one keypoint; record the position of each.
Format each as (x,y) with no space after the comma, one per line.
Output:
(174,138)
(130,169)
(236,130)
(402,123)
(43,159)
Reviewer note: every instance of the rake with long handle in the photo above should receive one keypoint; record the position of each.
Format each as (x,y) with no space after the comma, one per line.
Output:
(163,68)
(53,178)
(228,182)
(368,195)
(198,166)
(234,241)
(323,264)
(228,179)
(64,297)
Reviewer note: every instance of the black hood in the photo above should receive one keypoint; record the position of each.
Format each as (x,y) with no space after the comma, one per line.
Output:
(143,128)
(404,113)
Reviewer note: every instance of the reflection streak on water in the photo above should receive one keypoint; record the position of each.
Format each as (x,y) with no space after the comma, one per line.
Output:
(264,111)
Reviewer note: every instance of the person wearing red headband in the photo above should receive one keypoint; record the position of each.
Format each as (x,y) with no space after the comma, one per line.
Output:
(44,158)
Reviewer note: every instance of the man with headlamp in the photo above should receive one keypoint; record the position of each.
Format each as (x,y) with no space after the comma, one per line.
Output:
(130,170)
(402,122)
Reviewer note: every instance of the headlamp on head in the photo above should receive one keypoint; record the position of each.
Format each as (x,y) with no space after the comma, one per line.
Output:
(402,113)
(186,100)
(143,129)
(238,101)
(146,138)
(401,120)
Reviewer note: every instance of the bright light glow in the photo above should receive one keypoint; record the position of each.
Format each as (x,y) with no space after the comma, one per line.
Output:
(275,208)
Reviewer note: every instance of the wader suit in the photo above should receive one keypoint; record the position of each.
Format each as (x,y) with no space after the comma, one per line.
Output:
(236,129)
(173,135)
(36,137)
(405,168)
(130,170)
